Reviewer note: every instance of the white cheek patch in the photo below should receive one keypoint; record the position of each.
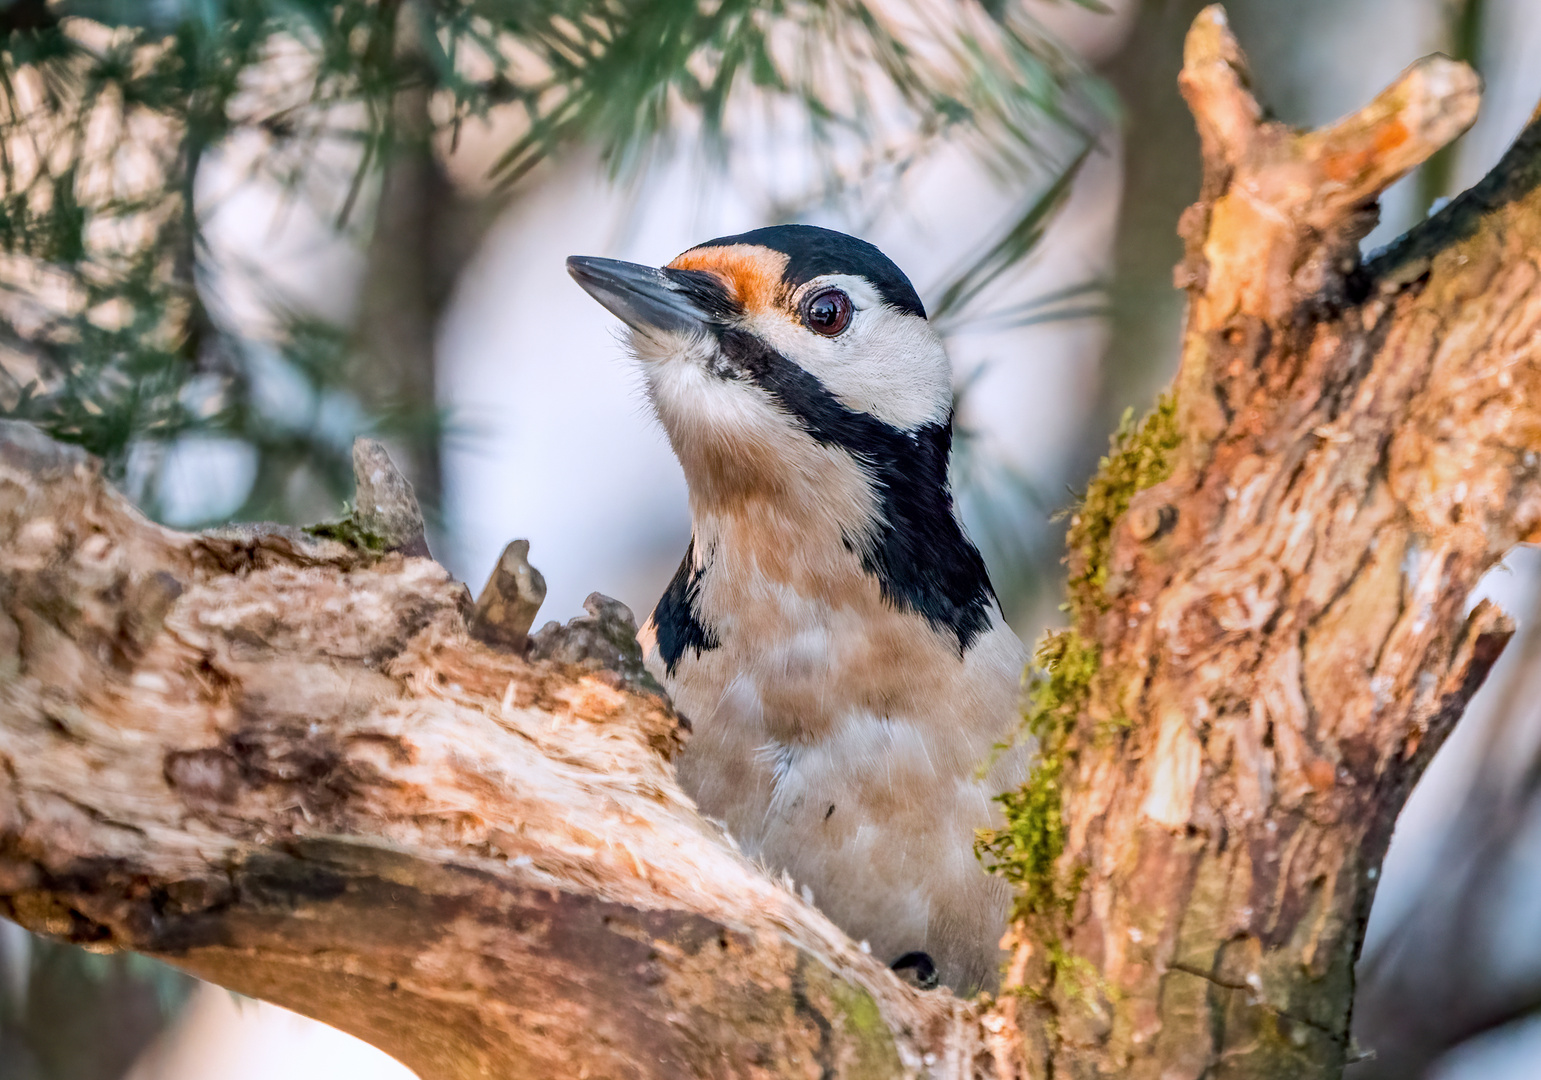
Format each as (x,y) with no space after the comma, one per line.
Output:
(886,363)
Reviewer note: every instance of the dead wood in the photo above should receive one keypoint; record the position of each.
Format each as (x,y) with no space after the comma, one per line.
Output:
(281,761)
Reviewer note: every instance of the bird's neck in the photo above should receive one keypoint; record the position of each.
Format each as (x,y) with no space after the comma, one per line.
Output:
(832,525)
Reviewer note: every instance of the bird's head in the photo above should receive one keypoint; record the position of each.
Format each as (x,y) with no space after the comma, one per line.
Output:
(763,349)
(810,403)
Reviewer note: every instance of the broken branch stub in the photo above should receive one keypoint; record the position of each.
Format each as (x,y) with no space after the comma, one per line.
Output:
(1283,210)
(603,639)
(384,504)
(510,600)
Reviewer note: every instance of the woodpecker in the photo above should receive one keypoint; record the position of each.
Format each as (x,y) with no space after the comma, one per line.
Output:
(831,634)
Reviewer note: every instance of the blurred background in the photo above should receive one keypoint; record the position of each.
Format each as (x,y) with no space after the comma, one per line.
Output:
(234,234)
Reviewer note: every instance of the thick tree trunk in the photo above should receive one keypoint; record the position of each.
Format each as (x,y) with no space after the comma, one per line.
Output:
(284,763)
(1269,583)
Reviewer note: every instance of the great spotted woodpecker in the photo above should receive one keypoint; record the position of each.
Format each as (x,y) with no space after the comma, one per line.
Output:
(831,633)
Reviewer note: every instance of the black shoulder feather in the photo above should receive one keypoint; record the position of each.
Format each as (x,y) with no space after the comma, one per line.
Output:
(676,620)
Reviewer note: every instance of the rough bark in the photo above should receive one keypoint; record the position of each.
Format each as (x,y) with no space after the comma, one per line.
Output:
(1451,968)
(280,762)
(284,763)
(1281,624)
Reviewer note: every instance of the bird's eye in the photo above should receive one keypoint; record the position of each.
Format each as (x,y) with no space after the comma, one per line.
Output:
(827,312)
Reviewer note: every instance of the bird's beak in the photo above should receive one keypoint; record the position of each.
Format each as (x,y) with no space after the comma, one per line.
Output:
(640,296)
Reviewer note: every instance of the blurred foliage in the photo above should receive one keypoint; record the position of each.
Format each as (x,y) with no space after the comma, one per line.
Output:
(66,1014)
(1014,245)
(109,107)
(109,337)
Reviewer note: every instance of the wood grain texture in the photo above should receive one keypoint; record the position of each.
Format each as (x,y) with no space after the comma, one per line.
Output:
(283,764)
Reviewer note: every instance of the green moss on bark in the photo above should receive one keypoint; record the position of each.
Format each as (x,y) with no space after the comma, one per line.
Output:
(1029,847)
(348,531)
(1139,456)
(1026,850)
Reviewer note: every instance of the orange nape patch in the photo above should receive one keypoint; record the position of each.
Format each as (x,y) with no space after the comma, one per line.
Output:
(752,274)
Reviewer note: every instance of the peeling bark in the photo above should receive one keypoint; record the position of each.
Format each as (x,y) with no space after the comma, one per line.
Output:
(282,764)
(1358,447)
(287,765)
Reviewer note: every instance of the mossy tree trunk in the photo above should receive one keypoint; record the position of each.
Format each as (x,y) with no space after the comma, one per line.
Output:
(1268,586)
(289,764)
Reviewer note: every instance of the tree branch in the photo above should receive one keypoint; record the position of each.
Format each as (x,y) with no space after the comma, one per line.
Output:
(281,763)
